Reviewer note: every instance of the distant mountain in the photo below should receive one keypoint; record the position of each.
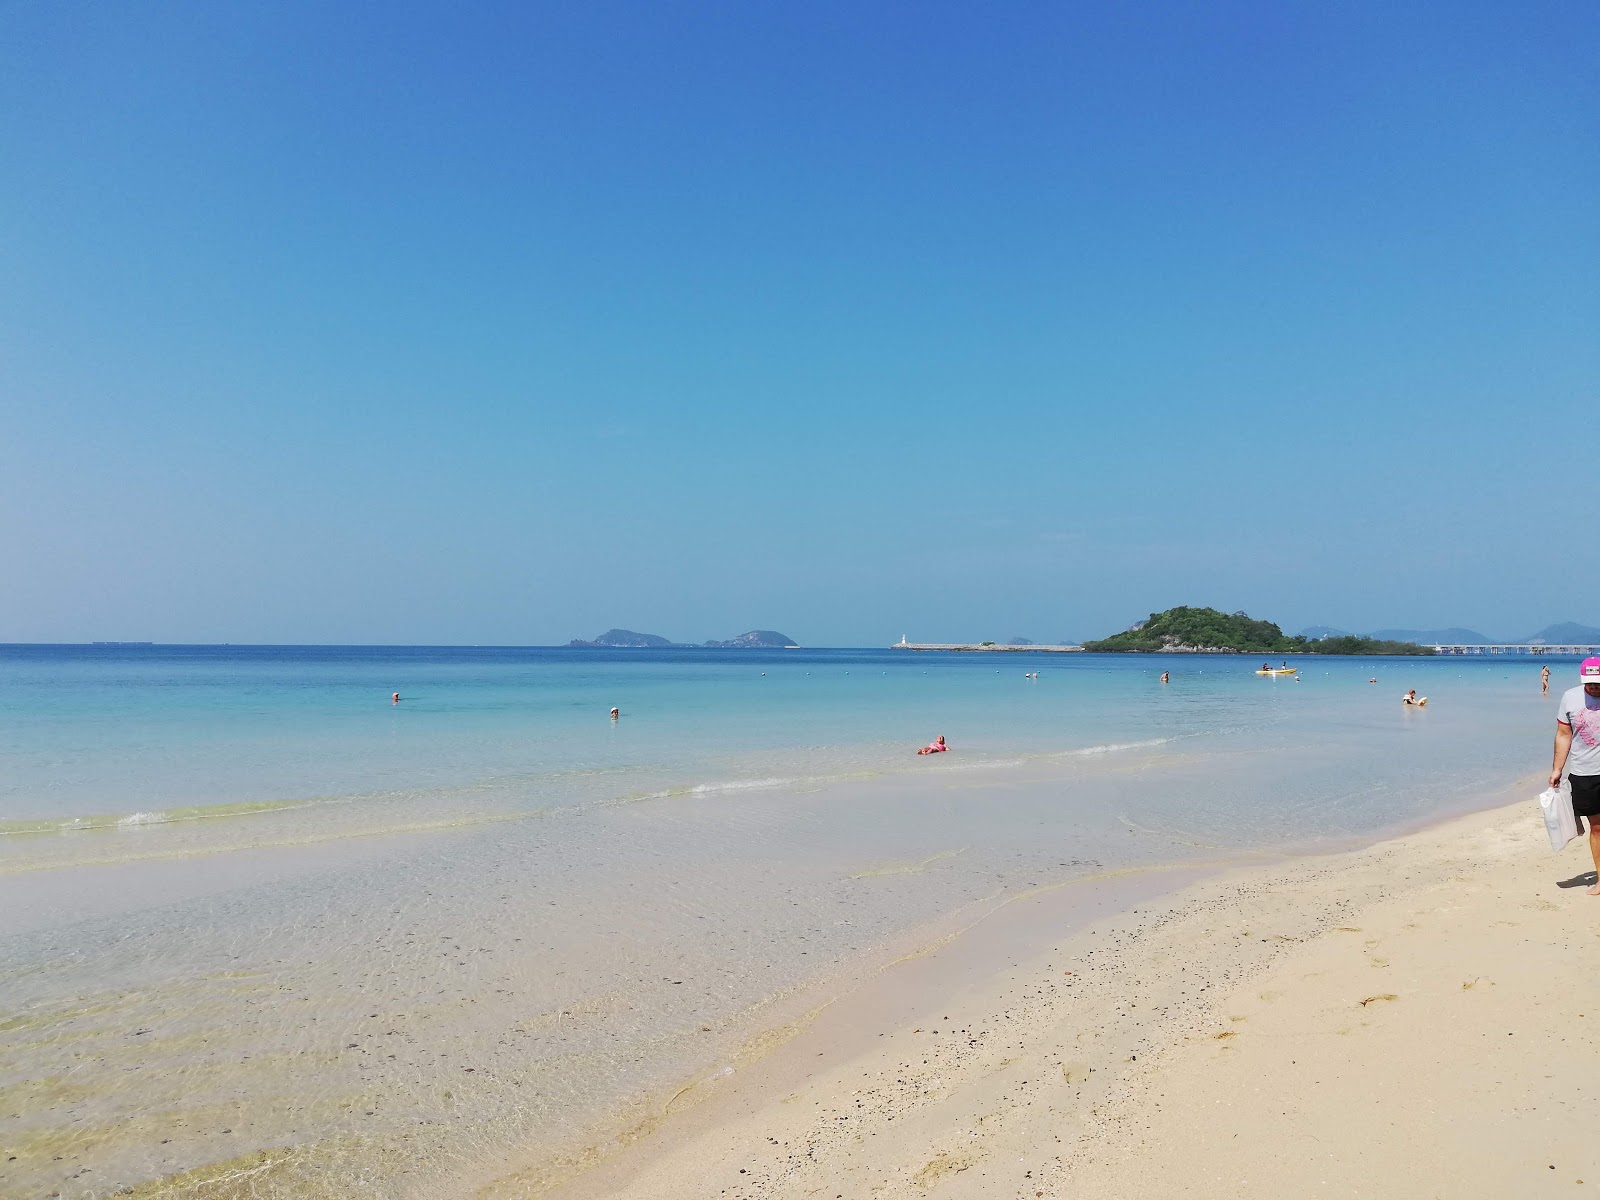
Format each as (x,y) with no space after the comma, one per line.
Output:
(1019,641)
(625,639)
(1566,633)
(1434,637)
(1316,632)
(756,639)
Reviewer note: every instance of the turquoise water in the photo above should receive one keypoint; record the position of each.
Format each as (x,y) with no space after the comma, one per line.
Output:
(247,904)
(97,735)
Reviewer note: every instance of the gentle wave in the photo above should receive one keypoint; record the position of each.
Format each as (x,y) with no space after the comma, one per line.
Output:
(145,819)
(111,822)
(122,853)
(943,764)
(719,786)
(939,763)
(1109,748)
(741,785)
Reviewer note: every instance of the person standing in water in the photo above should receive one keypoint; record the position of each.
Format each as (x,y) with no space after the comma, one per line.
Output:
(616,713)
(1578,751)
(1544,679)
(1166,677)
(395,699)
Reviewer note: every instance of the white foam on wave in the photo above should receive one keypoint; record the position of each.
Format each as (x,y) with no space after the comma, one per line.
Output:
(978,764)
(706,789)
(1109,748)
(133,820)
(102,822)
(729,786)
(741,785)
(987,764)
(944,765)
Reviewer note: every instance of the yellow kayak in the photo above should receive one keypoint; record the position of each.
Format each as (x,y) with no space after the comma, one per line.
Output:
(1279,671)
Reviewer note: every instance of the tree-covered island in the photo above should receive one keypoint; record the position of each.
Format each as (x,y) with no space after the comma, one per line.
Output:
(1186,630)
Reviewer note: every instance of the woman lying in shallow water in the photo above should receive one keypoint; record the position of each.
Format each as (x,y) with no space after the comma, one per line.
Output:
(936,746)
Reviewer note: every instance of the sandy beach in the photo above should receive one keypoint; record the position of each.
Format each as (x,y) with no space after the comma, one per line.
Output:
(568,957)
(1405,1019)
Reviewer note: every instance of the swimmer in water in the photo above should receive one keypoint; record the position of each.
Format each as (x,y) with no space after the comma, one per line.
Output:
(615,713)
(1166,677)
(936,746)
(395,699)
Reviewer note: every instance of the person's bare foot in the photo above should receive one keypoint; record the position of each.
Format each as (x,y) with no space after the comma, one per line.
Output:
(1594,891)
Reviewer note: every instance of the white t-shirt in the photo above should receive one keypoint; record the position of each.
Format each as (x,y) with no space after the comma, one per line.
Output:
(1582,712)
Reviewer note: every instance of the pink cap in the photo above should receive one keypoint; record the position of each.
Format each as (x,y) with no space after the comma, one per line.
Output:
(1589,672)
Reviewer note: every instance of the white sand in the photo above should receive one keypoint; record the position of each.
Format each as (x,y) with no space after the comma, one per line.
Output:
(1411,1019)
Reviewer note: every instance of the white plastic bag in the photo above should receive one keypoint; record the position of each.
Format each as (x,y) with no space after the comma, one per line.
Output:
(1559,822)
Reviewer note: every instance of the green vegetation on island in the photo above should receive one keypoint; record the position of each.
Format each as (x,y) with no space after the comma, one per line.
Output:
(1187,630)
(1350,644)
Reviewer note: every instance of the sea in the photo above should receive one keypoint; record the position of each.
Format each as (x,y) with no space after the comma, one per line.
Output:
(264,931)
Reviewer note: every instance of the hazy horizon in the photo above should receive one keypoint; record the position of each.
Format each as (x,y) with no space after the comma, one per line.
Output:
(508,326)
(692,644)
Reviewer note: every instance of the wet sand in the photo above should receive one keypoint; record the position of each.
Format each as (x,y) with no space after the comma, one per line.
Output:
(1406,1019)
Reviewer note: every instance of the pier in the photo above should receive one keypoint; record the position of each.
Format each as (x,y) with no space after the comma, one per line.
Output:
(1573,651)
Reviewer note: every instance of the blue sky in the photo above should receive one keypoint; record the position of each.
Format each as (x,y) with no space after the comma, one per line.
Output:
(347,322)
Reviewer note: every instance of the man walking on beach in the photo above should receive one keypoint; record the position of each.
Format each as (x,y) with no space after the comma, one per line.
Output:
(1578,747)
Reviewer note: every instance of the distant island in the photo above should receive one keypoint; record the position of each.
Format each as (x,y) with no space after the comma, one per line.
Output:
(756,639)
(1567,633)
(1323,631)
(1454,636)
(1187,630)
(624,639)
(627,639)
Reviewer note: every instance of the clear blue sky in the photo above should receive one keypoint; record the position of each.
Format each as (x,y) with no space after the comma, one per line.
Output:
(505,323)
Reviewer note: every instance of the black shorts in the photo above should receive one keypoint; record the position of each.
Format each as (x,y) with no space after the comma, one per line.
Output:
(1585,795)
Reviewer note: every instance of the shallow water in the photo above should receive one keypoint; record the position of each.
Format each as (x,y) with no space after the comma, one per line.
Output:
(246,904)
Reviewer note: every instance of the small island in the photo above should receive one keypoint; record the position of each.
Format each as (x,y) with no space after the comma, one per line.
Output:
(624,639)
(756,639)
(1187,630)
(627,639)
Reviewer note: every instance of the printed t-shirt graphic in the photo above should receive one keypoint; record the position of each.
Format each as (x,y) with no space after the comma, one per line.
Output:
(1582,712)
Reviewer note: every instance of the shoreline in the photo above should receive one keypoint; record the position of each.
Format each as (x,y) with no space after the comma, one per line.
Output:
(953,1066)
(962,947)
